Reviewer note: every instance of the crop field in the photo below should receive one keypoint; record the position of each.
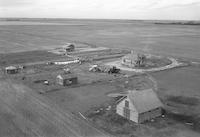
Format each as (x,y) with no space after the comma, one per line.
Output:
(173,40)
(26,57)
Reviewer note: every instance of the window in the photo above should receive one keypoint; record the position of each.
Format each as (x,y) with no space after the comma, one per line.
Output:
(126,110)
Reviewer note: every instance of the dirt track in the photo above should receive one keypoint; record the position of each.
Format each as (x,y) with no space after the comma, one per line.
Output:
(25,113)
(174,64)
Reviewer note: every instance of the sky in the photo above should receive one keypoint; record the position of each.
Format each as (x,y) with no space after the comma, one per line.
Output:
(105,9)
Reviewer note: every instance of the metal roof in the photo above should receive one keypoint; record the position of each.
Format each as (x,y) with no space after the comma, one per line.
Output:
(11,68)
(144,100)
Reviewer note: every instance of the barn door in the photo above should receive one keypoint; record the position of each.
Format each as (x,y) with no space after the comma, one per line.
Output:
(127,113)
(126,110)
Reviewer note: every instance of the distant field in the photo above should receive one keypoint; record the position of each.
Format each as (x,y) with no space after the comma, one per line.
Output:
(34,23)
(176,40)
(26,57)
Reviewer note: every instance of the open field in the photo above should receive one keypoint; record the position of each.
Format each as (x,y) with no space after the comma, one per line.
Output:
(31,108)
(179,91)
(26,57)
(24,113)
(176,40)
(180,86)
(92,88)
(91,95)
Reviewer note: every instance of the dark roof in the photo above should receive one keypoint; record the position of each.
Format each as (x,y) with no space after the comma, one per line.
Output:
(144,100)
(69,45)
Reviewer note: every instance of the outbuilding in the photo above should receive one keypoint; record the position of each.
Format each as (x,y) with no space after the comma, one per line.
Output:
(11,70)
(140,106)
(66,79)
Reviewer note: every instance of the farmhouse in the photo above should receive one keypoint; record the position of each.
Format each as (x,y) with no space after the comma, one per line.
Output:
(11,70)
(140,106)
(66,79)
(133,60)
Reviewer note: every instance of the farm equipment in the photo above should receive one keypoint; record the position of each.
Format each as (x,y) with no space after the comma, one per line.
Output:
(114,69)
(95,68)
(104,69)
(67,71)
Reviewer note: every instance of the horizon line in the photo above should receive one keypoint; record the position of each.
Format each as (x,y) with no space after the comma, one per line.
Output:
(98,19)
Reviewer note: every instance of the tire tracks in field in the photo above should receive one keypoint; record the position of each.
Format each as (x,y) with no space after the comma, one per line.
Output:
(155,83)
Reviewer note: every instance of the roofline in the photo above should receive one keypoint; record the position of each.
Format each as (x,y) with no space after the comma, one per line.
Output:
(121,99)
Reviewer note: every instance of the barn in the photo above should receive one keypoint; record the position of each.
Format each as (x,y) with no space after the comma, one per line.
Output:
(140,106)
(66,79)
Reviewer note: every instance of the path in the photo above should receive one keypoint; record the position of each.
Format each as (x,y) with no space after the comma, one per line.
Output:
(118,64)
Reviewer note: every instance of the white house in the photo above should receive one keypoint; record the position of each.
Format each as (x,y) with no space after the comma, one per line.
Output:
(140,106)
(133,60)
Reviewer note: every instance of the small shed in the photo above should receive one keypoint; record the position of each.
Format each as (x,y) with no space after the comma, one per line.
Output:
(140,106)
(11,70)
(66,79)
